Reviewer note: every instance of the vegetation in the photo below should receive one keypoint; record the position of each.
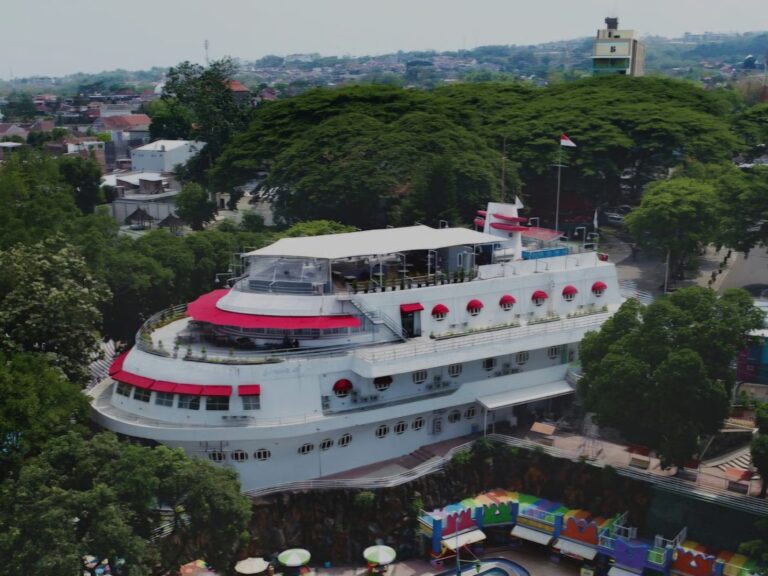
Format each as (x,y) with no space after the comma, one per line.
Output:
(661,375)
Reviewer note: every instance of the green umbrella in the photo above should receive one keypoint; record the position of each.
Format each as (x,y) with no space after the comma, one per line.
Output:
(379,554)
(294,557)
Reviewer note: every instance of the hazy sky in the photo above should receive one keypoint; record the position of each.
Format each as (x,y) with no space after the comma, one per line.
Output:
(57,37)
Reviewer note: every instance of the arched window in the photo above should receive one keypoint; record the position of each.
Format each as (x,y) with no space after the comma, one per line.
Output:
(344,440)
(239,456)
(401,427)
(326,444)
(305,449)
(217,456)
(382,431)
(418,423)
(263,454)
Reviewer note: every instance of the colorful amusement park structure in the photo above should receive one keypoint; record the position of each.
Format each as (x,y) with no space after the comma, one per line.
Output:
(335,352)
(452,531)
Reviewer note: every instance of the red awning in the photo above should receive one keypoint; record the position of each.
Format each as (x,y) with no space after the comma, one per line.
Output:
(508,227)
(204,310)
(568,290)
(511,218)
(539,295)
(217,390)
(117,364)
(543,234)
(249,390)
(479,221)
(440,309)
(342,385)
(188,389)
(133,379)
(507,300)
(599,286)
(482,213)
(415,307)
(163,386)
(474,304)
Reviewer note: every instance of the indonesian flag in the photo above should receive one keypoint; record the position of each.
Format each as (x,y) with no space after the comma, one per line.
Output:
(565,141)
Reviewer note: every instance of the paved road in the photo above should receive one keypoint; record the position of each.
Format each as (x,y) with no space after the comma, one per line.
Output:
(750,273)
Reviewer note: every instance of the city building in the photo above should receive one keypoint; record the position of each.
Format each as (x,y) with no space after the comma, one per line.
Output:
(617,51)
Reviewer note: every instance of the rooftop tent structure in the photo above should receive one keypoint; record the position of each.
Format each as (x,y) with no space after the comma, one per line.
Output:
(139,216)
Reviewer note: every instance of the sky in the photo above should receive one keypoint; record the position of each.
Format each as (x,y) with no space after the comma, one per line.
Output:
(59,37)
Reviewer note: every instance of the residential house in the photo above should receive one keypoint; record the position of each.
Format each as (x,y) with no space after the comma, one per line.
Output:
(9,129)
(127,131)
(240,93)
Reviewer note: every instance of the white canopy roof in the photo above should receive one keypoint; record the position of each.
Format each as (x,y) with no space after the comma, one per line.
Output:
(531,535)
(575,549)
(457,541)
(616,571)
(524,395)
(374,242)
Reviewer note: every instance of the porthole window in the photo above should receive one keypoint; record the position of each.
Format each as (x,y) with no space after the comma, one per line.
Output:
(439,312)
(400,427)
(263,454)
(382,431)
(569,293)
(216,456)
(418,423)
(326,444)
(419,376)
(522,357)
(474,307)
(539,297)
(506,302)
(305,449)
(382,383)
(239,456)
(454,416)
(454,370)
(342,388)
(489,364)
(553,352)
(598,288)
(344,440)
(470,413)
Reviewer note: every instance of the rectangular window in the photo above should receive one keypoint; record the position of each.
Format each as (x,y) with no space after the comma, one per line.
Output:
(489,364)
(217,403)
(189,402)
(522,357)
(141,394)
(124,389)
(419,376)
(454,370)
(251,402)
(164,398)
(554,352)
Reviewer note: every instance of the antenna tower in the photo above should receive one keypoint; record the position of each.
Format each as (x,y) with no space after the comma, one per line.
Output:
(207,60)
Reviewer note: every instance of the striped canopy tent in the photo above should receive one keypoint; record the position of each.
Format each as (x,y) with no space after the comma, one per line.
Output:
(379,554)
(294,557)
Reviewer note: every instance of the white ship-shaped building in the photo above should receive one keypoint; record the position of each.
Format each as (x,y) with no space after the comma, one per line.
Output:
(335,352)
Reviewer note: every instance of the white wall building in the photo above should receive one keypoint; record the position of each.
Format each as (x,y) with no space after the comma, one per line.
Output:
(163,155)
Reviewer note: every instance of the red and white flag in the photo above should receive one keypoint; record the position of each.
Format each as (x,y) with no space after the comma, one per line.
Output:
(565,141)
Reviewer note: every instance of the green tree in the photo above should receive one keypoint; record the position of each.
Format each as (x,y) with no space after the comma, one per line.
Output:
(38,404)
(433,196)
(759,451)
(195,207)
(20,106)
(317,228)
(84,176)
(676,217)
(50,302)
(662,374)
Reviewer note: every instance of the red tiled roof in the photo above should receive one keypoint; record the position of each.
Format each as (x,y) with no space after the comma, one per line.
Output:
(237,86)
(126,122)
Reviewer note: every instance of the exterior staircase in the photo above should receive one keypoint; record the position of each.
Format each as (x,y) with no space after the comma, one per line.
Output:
(378,317)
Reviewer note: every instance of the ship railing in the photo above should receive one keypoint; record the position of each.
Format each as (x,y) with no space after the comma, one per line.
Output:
(157,320)
(481,338)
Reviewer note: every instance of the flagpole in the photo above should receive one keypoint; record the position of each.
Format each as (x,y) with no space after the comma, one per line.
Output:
(557,198)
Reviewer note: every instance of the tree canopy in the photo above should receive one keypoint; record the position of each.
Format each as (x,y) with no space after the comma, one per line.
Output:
(195,206)
(662,374)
